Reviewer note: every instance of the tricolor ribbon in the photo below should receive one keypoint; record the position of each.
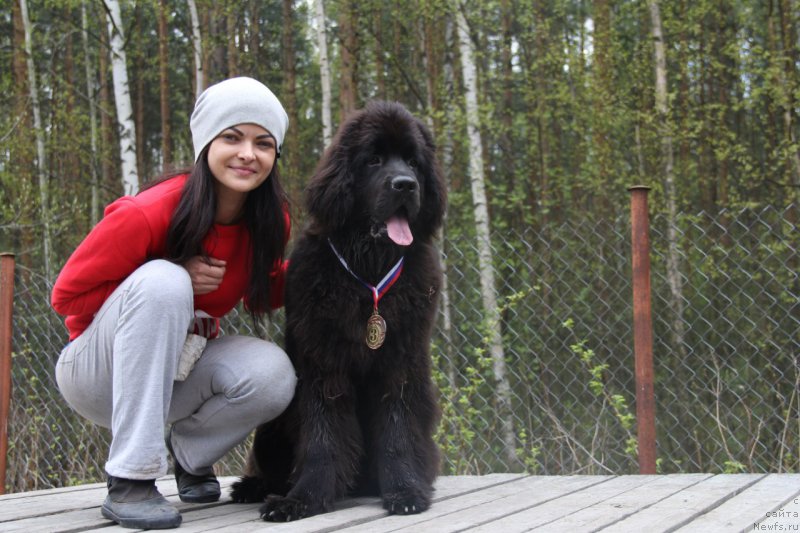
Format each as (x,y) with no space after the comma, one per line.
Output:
(377,290)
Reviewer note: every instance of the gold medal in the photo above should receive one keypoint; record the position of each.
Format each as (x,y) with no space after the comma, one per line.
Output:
(376,331)
(376,325)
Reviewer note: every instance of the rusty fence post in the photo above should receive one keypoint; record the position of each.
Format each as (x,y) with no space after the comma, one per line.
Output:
(6,308)
(643,330)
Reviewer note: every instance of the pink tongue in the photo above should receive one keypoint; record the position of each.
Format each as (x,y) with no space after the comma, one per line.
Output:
(399,231)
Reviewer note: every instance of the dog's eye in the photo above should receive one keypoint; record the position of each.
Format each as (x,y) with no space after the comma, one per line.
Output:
(413,163)
(375,160)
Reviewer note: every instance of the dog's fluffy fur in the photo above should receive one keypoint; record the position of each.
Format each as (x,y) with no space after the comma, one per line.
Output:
(362,420)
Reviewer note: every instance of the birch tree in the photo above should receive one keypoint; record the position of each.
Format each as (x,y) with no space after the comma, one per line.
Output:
(197,46)
(324,72)
(481,213)
(122,98)
(662,108)
(37,126)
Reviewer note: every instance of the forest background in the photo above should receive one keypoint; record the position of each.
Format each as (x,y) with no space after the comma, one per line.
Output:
(544,113)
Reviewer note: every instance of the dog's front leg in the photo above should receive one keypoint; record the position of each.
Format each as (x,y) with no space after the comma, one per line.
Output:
(408,459)
(326,456)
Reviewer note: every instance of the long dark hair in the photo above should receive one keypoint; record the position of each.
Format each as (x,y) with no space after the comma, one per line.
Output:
(265,216)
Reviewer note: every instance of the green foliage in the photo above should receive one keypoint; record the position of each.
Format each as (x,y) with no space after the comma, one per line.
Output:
(599,387)
(734,467)
(457,431)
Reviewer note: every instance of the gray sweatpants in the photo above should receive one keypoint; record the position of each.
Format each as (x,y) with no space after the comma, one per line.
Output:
(120,373)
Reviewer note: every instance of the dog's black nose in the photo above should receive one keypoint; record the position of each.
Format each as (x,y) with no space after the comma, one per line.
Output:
(404,184)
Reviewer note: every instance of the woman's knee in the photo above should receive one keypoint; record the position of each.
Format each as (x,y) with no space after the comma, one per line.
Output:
(267,379)
(163,284)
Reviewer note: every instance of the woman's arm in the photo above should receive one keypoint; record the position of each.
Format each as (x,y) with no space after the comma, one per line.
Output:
(115,247)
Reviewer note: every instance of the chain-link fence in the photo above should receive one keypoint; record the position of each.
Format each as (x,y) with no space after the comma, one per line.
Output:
(727,355)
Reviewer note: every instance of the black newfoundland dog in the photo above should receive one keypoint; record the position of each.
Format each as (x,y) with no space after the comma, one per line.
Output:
(361,297)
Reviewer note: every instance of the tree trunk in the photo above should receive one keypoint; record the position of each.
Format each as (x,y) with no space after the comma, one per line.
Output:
(433,43)
(21,158)
(505,138)
(348,53)
(163,72)
(665,127)
(217,25)
(294,179)
(254,30)
(602,110)
(70,164)
(481,212)
(139,76)
(122,98)
(725,34)
(90,94)
(233,53)
(324,72)
(542,201)
(107,166)
(788,83)
(789,37)
(380,64)
(197,47)
(37,127)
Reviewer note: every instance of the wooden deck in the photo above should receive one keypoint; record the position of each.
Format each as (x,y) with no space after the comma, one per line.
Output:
(497,503)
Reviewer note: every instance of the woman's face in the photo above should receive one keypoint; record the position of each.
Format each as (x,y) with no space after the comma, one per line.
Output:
(241,158)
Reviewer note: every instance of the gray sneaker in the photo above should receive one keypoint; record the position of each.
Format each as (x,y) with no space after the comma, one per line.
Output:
(137,504)
(156,513)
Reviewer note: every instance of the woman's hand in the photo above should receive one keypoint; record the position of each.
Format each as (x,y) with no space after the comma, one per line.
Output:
(206,274)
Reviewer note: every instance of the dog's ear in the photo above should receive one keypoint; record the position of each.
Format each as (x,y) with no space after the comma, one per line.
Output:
(329,196)
(434,201)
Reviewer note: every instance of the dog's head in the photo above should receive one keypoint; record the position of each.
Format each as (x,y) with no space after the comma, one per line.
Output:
(379,176)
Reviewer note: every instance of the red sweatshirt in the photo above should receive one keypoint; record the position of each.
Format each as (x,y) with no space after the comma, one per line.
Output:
(134,231)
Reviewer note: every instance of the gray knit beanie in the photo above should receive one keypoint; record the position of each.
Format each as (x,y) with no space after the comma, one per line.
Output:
(236,101)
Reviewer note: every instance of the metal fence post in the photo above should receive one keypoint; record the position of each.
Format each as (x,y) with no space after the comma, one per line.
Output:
(6,308)
(643,330)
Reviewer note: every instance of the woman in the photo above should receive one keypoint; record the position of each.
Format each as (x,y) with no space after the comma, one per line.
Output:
(143,294)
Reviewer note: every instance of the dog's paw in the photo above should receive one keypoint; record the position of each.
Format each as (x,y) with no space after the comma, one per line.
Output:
(406,502)
(283,509)
(248,490)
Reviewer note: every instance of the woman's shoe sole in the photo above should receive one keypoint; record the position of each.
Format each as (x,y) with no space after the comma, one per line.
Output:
(125,514)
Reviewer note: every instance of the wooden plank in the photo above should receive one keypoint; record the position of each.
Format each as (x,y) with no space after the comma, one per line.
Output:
(55,503)
(542,514)
(784,517)
(681,508)
(33,504)
(78,520)
(448,507)
(248,519)
(749,506)
(49,492)
(348,512)
(488,505)
(67,509)
(82,519)
(225,512)
(611,502)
